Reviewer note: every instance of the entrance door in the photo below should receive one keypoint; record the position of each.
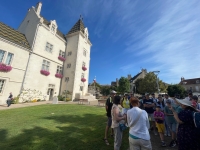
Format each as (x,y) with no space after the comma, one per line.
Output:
(51,91)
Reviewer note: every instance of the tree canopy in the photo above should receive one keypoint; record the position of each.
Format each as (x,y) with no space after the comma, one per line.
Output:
(176,89)
(124,85)
(148,84)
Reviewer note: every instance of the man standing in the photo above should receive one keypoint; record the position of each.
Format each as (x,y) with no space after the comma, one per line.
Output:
(149,108)
(109,104)
(9,99)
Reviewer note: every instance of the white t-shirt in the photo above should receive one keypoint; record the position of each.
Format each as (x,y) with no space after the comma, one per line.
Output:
(140,128)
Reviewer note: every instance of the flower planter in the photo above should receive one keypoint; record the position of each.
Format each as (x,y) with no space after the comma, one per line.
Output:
(57,75)
(84,68)
(83,79)
(5,68)
(61,58)
(44,72)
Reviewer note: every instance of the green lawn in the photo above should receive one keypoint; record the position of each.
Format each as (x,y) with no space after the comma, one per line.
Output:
(53,127)
(56,127)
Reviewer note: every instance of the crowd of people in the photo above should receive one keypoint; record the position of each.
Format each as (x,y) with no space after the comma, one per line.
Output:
(164,115)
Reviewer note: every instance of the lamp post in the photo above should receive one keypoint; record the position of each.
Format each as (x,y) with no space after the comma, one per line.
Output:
(156,73)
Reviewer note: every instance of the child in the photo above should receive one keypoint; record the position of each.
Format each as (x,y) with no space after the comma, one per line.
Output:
(159,118)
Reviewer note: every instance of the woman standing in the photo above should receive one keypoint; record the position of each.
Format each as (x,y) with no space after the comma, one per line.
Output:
(187,132)
(138,123)
(116,118)
(125,104)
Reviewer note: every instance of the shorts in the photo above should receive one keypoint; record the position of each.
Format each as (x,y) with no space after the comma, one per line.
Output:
(161,127)
(172,127)
(109,122)
(151,117)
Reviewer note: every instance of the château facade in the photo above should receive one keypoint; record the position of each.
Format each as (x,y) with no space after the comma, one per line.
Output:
(44,62)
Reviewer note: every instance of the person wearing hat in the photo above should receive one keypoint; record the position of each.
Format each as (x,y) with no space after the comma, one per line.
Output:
(109,104)
(171,121)
(187,136)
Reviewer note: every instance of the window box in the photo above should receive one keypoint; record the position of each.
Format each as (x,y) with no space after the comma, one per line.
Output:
(83,79)
(84,68)
(44,72)
(61,58)
(58,75)
(5,68)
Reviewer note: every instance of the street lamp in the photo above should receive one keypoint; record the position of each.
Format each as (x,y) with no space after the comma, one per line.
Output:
(156,73)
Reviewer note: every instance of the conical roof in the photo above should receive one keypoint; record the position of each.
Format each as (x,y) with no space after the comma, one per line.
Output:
(79,26)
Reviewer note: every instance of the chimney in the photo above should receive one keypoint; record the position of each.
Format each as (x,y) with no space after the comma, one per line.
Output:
(38,8)
(182,78)
(129,76)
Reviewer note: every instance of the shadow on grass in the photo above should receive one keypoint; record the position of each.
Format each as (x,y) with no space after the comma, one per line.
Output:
(68,133)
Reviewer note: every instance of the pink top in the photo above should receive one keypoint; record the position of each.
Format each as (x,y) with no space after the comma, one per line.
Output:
(159,114)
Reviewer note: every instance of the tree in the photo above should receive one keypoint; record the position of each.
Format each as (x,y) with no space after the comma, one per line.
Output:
(176,89)
(124,85)
(105,90)
(148,84)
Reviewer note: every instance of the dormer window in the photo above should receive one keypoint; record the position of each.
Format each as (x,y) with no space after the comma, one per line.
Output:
(53,26)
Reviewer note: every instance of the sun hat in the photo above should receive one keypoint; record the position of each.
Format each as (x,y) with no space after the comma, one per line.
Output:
(185,102)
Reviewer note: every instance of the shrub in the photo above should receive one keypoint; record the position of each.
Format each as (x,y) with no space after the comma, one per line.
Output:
(38,100)
(68,99)
(61,98)
(15,100)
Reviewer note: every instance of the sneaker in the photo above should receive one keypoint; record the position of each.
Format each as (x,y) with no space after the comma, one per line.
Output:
(163,144)
(172,143)
(168,135)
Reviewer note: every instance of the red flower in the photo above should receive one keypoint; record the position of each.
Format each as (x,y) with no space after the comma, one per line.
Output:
(83,79)
(44,72)
(58,75)
(5,68)
(84,68)
(61,58)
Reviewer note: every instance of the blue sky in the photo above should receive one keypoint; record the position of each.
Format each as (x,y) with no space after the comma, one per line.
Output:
(127,35)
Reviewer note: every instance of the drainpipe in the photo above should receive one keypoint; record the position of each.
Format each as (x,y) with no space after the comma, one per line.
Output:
(31,52)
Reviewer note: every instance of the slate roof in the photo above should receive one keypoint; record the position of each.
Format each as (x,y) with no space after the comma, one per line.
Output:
(135,77)
(47,23)
(190,81)
(79,26)
(13,35)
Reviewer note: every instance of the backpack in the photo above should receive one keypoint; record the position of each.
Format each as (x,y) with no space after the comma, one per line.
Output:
(196,118)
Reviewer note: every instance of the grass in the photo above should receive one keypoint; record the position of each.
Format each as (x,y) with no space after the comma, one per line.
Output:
(57,127)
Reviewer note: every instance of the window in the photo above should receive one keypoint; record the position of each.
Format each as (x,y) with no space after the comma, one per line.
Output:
(2,53)
(84,52)
(83,64)
(68,65)
(49,47)
(81,88)
(66,79)
(45,65)
(62,54)
(59,70)
(69,53)
(82,75)
(197,81)
(9,58)
(2,83)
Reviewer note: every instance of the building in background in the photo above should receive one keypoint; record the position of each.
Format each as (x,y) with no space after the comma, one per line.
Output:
(191,85)
(44,61)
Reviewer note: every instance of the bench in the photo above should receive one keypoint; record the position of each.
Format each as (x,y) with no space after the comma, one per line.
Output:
(101,101)
(81,101)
